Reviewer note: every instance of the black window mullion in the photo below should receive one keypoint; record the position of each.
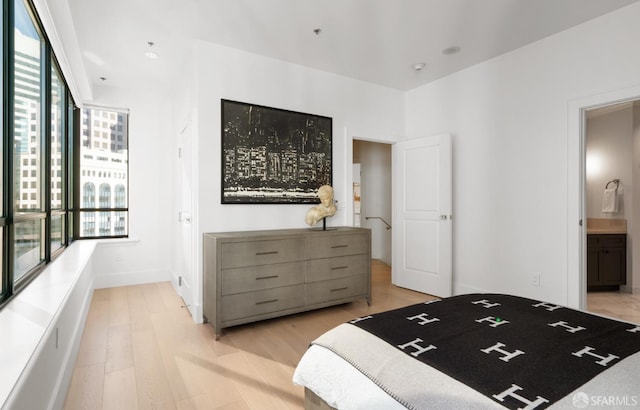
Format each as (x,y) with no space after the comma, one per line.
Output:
(45,147)
(77,118)
(8,52)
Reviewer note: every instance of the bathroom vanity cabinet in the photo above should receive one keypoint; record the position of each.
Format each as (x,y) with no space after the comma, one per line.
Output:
(606,261)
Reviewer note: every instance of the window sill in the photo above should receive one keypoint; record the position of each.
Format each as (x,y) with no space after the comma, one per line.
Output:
(117,241)
(30,322)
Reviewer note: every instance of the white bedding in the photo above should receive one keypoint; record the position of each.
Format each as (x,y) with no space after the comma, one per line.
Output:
(344,387)
(340,384)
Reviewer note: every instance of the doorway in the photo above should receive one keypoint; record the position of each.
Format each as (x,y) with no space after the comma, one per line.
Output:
(577,193)
(374,187)
(612,142)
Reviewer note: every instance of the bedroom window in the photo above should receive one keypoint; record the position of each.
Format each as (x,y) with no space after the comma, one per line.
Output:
(104,164)
(29,215)
(37,114)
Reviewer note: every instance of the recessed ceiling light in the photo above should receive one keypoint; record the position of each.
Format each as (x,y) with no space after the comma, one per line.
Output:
(419,66)
(451,50)
(150,53)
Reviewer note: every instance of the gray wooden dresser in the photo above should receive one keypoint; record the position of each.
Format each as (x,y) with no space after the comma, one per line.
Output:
(255,275)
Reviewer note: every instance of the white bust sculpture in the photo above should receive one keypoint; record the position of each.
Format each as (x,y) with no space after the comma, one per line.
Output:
(325,208)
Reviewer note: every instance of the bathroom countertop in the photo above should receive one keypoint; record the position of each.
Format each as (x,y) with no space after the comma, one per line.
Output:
(606,226)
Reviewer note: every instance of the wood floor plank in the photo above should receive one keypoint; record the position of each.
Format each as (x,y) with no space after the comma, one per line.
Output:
(623,306)
(86,388)
(139,316)
(153,297)
(118,307)
(93,345)
(119,352)
(120,390)
(153,388)
(253,388)
(206,377)
(279,379)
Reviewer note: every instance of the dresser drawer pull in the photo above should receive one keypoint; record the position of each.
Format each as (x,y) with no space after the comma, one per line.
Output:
(267,277)
(339,246)
(340,267)
(339,289)
(266,253)
(266,301)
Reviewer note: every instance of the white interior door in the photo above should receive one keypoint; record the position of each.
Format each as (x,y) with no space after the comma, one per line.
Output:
(422,225)
(187,284)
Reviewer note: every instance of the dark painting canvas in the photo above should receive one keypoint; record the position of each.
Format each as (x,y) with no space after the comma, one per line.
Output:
(271,155)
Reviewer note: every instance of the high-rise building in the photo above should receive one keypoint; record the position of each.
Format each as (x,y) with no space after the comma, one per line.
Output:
(103,181)
(27,133)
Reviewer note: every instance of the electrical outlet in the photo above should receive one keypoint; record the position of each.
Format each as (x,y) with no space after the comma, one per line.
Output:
(535,279)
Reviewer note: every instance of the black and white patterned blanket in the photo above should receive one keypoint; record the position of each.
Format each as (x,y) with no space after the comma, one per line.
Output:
(520,353)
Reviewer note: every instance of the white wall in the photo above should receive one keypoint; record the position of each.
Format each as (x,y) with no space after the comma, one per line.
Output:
(509,121)
(609,146)
(357,108)
(147,256)
(375,160)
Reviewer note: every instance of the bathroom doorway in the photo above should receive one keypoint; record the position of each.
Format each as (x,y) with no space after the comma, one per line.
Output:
(612,147)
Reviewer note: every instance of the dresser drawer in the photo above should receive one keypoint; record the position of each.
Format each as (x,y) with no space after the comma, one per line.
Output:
(239,280)
(319,292)
(244,305)
(252,253)
(338,267)
(338,245)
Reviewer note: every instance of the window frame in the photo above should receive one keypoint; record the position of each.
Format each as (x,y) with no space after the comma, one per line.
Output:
(11,217)
(79,194)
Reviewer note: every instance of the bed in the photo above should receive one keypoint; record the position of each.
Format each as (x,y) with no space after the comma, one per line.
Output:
(474,351)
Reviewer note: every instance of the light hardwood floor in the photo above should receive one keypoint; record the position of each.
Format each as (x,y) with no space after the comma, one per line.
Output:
(623,306)
(141,350)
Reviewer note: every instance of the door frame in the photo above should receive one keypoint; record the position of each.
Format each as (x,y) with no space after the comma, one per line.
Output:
(348,178)
(576,289)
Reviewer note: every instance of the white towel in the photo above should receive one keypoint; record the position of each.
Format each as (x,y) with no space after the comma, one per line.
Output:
(610,200)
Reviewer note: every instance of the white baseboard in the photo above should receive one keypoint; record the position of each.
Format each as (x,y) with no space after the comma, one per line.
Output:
(461,289)
(130,278)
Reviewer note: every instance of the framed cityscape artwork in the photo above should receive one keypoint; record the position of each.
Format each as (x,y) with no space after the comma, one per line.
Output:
(273,156)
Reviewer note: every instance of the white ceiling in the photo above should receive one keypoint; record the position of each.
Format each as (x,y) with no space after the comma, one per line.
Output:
(377,41)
